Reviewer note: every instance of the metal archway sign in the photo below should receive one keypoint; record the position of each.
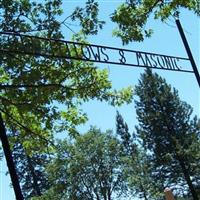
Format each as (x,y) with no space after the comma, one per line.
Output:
(30,45)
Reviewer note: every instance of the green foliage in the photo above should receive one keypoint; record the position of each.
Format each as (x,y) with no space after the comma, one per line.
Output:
(88,17)
(31,171)
(46,90)
(138,165)
(141,181)
(41,96)
(88,168)
(123,131)
(132,16)
(168,132)
(25,16)
(131,22)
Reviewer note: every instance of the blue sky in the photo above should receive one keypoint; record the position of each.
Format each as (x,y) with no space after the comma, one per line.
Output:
(165,40)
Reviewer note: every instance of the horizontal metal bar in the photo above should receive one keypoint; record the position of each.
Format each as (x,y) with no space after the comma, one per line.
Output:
(91,60)
(92,45)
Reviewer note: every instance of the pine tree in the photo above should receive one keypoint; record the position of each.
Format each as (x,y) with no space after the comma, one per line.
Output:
(122,130)
(169,132)
(137,164)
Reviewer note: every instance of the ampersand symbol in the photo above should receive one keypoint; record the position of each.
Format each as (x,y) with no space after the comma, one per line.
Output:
(122,59)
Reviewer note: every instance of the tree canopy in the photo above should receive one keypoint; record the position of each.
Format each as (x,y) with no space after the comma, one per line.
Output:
(169,132)
(89,168)
(42,96)
(41,86)
(132,16)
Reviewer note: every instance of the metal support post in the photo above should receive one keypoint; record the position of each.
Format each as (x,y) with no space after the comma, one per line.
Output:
(189,53)
(9,160)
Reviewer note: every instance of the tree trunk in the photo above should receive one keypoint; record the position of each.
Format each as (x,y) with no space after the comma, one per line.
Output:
(188,180)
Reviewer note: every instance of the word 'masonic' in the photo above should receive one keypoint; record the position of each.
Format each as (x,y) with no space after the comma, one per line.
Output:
(158,61)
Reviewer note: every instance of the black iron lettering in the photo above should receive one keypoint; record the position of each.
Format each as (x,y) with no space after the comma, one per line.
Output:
(38,46)
(106,59)
(75,50)
(45,44)
(122,59)
(155,64)
(168,62)
(10,41)
(86,52)
(175,63)
(148,62)
(96,55)
(20,44)
(33,45)
(162,65)
(18,40)
(61,49)
(53,47)
(172,62)
(139,57)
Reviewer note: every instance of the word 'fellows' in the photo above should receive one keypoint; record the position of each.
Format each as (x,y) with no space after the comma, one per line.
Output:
(111,55)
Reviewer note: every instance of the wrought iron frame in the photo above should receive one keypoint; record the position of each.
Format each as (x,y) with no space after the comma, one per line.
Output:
(121,61)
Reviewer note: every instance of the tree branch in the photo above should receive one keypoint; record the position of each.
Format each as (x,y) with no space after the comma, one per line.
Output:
(14,103)
(30,86)
(26,128)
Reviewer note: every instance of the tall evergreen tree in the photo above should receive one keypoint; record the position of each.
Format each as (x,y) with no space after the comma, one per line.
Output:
(169,132)
(122,131)
(137,164)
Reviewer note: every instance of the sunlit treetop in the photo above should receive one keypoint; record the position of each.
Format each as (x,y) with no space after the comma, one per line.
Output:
(132,16)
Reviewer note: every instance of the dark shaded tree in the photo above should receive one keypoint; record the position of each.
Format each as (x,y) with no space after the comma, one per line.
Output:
(126,138)
(138,165)
(31,169)
(90,168)
(168,130)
